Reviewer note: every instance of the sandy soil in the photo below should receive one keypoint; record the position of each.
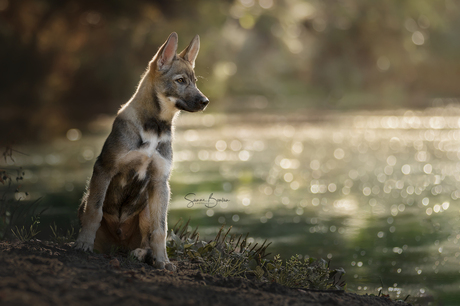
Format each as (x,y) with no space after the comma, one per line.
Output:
(44,273)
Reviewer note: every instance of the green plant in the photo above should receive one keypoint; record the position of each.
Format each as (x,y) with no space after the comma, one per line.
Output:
(25,234)
(309,273)
(224,255)
(224,265)
(230,255)
(59,237)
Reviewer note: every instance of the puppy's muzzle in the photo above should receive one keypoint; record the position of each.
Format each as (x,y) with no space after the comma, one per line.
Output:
(199,103)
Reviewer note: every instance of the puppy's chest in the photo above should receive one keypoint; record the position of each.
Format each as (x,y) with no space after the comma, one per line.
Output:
(152,145)
(152,157)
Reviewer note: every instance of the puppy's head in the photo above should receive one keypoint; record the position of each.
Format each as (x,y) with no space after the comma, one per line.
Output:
(174,78)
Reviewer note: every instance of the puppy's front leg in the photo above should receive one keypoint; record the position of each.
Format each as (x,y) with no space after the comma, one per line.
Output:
(90,211)
(158,203)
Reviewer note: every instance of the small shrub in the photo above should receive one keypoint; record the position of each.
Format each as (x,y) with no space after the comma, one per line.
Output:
(233,256)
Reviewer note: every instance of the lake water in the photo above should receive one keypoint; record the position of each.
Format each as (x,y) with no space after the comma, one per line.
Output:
(377,193)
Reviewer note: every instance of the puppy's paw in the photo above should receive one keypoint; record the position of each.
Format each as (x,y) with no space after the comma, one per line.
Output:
(169,266)
(159,264)
(143,255)
(139,254)
(84,246)
(165,265)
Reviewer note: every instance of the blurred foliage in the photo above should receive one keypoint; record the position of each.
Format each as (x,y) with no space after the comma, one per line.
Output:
(65,62)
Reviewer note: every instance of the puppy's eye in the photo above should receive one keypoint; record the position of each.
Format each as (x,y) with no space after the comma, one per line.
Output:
(181,80)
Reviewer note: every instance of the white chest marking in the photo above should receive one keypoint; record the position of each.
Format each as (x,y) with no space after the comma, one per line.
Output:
(149,149)
(151,141)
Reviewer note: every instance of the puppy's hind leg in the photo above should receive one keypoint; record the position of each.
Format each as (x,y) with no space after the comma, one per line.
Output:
(144,252)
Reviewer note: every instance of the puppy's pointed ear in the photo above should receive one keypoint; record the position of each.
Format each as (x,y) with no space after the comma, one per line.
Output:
(190,53)
(162,61)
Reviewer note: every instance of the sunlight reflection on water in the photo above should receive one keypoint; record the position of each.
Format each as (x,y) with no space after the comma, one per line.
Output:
(352,173)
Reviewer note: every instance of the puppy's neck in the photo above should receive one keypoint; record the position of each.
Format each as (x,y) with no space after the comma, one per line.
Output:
(147,102)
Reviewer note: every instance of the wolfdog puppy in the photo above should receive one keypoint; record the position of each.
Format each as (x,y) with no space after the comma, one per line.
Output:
(127,198)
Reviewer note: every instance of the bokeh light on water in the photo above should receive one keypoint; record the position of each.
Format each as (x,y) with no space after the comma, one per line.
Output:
(377,193)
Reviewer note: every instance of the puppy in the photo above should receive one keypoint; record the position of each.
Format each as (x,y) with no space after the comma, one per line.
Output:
(127,198)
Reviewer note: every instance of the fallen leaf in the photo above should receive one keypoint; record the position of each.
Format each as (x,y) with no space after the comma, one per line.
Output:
(115,263)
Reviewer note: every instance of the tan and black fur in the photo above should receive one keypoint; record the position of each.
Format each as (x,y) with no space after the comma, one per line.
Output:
(128,195)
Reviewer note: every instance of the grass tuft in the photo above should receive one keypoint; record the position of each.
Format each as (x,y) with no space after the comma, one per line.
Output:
(26,234)
(60,237)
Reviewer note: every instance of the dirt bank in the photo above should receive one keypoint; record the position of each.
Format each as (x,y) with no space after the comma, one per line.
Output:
(43,273)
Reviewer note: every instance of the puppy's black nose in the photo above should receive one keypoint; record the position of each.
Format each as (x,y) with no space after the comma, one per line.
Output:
(204,101)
